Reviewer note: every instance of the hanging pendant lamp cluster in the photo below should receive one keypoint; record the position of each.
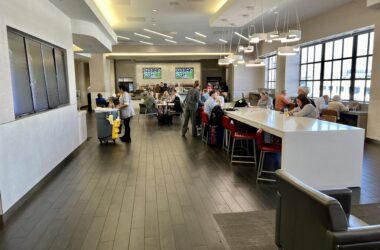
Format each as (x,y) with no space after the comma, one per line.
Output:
(289,38)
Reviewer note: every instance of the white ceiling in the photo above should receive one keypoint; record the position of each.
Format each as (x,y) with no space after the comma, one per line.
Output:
(180,18)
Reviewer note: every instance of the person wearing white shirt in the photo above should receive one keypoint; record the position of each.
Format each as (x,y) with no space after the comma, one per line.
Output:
(322,103)
(211,103)
(126,112)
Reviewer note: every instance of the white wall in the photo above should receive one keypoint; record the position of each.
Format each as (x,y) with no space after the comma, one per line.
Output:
(246,80)
(167,72)
(32,146)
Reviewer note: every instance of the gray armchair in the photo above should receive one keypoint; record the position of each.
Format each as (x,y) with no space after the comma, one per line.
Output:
(319,220)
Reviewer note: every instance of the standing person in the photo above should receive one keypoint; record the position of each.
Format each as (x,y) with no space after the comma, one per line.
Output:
(281,101)
(126,112)
(192,100)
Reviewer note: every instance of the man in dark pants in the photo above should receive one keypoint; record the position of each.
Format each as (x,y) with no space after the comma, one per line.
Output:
(126,112)
(192,100)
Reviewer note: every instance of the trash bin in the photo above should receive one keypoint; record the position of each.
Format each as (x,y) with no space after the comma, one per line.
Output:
(103,126)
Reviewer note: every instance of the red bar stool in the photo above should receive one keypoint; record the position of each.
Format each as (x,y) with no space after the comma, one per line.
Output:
(265,148)
(204,119)
(226,121)
(237,135)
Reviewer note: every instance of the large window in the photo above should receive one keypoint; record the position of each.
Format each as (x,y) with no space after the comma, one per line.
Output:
(341,66)
(271,67)
(38,74)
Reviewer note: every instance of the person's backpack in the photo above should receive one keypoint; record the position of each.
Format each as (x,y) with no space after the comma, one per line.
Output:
(241,103)
(216,115)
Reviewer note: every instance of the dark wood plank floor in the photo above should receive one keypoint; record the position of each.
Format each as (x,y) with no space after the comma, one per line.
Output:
(157,193)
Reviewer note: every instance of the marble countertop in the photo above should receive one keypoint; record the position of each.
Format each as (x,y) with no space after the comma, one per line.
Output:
(274,120)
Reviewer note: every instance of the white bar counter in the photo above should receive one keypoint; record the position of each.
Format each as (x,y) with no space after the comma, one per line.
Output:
(319,153)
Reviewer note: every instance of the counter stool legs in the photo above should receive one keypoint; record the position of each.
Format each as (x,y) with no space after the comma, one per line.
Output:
(241,157)
(260,169)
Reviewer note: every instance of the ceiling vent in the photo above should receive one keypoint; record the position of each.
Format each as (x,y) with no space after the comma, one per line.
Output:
(174,3)
(136,19)
(375,4)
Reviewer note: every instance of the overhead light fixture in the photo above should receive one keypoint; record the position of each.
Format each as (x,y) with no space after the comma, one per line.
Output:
(249,49)
(154,10)
(238,34)
(157,33)
(201,35)
(287,51)
(240,48)
(255,63)
(171,41)
(273,34)
(258,37)
(194,40)
(292,36)
(223,61)
(153,24)
(141,35)
(146,43)
(222,40)
(124,37)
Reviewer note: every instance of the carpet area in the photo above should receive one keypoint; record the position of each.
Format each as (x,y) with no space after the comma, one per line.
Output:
(255,230)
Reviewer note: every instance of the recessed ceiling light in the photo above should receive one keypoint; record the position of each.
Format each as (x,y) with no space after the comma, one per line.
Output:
(154,24)
(222,40)
(155,10)
(158,33)
(146,43)
(194,40)
(200,34)
(138,34)
(171,41)
(124,37)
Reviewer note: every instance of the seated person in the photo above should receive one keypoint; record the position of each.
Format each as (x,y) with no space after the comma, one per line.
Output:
(337,105)
(165,96)
(220,98)
(322,103)
(150,103)
(101,102)
(305,108)
(115,99)
(211,103)
(173,96)
(177,102)
(265,100)
(205,95)
(281,101)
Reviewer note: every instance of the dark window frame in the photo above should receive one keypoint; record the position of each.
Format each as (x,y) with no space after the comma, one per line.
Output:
(354,57)
(271,83)
(55,49)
